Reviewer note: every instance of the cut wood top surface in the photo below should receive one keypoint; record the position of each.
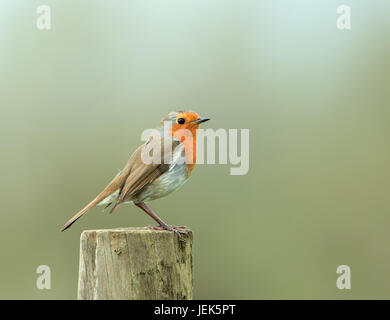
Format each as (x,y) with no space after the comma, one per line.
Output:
(136,230)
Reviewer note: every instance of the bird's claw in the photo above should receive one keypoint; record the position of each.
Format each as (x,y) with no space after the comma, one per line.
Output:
(174,229)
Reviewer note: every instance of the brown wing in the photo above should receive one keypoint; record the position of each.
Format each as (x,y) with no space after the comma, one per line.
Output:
(141,174)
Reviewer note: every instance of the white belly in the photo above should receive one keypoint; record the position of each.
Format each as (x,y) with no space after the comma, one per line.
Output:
(168,182)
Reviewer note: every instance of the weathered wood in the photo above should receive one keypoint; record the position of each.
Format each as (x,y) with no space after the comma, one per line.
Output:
(135,263)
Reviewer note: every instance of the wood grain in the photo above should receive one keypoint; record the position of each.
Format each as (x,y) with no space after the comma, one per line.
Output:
(135,263)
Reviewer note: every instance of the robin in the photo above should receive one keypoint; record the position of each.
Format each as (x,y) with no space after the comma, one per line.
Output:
(142,180)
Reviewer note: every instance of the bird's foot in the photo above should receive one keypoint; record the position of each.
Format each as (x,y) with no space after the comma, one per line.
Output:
(175,229)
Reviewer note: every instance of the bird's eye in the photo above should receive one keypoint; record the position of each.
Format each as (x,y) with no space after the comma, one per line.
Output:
(181,121)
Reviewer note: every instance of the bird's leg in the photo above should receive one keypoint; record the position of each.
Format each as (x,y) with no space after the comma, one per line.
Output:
(149,211)
(162,225)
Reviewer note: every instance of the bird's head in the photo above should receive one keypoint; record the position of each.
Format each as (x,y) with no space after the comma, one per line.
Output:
(180,121)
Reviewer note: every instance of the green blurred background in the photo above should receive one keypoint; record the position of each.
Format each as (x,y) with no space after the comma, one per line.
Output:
(74,101)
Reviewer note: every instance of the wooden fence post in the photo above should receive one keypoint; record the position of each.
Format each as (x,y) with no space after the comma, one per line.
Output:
(135,263)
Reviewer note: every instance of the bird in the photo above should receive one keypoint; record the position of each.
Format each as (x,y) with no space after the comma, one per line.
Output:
(173,146)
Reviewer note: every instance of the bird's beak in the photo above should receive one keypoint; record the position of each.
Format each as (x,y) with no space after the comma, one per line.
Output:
(200,120)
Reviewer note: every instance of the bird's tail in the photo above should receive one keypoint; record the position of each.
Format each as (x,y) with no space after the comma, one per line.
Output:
(113,186)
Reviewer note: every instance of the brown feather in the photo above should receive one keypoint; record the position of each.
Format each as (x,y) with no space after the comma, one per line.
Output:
(132,179)
(143,174)
(113,186)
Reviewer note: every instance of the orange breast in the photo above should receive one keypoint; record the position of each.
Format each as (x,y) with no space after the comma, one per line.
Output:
(190,151)
(187,136)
